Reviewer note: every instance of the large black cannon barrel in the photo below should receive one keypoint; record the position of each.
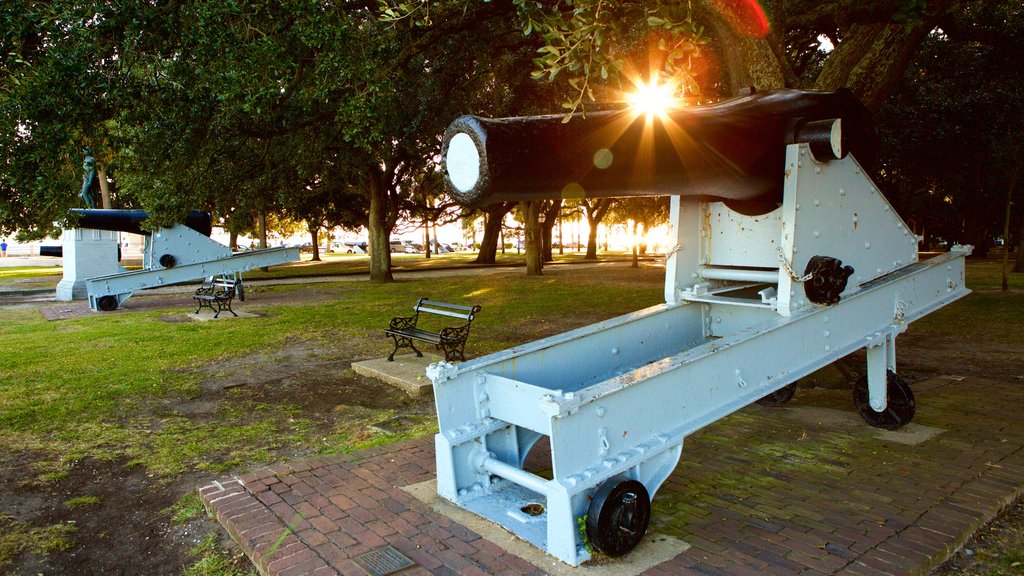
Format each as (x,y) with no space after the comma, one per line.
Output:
(56,251)
(733,150)
(129,220)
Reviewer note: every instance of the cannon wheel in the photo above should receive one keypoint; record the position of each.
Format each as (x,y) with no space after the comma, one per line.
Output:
(780,397)
(899,409)
(107,303)
(618,517)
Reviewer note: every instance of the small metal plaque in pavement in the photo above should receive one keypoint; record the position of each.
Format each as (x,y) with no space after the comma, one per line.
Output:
(383,561)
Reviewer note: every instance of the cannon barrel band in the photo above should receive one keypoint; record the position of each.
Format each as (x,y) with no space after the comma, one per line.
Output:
(733,150)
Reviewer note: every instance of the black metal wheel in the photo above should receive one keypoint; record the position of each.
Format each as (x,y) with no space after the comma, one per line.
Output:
(900,406)
(618,516)
(780,397)
(107,303)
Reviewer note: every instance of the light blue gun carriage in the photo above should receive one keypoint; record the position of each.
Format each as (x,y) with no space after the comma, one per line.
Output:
(776,272)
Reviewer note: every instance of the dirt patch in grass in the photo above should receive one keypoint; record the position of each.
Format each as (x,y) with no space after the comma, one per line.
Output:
(305,374)
(121,532)
(127,527)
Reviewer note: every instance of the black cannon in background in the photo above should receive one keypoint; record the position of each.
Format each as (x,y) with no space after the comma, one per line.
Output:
(170,255)
(130,220)
(732,151)
(126,221)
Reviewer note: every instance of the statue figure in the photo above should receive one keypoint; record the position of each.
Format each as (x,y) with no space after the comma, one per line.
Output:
(90,181)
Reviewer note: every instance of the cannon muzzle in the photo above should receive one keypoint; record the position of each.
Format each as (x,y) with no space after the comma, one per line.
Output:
(732,151)
(129,220)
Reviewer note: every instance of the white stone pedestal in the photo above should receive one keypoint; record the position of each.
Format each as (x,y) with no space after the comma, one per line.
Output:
(87,253)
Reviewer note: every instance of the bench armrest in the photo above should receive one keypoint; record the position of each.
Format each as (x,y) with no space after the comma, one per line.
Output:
(404,322)
(454,334)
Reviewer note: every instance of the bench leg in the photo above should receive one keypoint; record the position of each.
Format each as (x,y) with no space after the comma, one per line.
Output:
(230,310)
(391,357)
(453,351)
(402,342)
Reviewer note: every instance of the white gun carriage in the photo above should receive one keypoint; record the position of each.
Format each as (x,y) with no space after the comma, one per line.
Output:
(787,257)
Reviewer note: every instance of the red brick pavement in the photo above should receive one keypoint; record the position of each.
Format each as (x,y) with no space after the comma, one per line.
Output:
(761,492)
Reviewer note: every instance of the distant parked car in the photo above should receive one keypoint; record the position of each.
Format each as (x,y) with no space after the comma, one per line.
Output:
(356,248)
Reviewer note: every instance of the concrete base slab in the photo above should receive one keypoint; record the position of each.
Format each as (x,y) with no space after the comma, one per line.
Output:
(911,435)
(408,372)
(655,548)
(205,315)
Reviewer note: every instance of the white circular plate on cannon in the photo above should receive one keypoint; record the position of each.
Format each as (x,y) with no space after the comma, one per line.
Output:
(463,162)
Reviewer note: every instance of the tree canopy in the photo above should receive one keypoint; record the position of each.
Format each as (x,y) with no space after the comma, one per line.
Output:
(332,112)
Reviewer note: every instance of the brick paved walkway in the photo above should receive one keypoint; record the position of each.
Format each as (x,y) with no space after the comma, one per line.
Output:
(807,489)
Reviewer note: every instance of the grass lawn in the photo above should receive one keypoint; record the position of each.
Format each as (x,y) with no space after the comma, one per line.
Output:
(133,389)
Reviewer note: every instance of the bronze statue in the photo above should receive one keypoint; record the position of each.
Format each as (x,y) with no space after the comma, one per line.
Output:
(90,181)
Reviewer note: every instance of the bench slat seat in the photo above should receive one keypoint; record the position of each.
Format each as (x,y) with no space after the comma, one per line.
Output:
(423,335)
(451,339)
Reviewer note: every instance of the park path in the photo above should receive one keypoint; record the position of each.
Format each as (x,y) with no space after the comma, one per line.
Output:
(807,489)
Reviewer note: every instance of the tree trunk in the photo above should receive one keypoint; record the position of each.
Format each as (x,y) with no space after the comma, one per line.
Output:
(233,241)
(1006,228)
(101,174)
(546,232)
(595,213)
(636,241)
(871,60)
(745,59)
(534,234)
(378,230)
(314,232)
(550,211)
(494,215)
(1019,264)
(977,235)
(262,223)
(592,243)
(561,243)
(426,238)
